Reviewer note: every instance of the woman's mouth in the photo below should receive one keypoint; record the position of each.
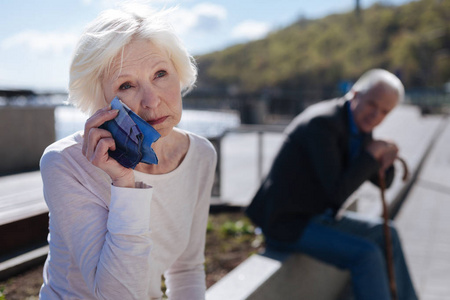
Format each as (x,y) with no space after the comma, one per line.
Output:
(157,121)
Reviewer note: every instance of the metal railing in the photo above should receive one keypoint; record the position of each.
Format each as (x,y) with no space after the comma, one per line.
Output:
(260,130)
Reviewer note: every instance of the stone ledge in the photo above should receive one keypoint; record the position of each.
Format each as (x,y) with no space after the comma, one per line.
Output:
(263,278)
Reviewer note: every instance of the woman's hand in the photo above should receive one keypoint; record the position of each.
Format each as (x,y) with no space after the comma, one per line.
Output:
(96,144)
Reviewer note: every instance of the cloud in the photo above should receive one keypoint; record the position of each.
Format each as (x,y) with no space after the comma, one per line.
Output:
(203,17)
(41,42)
(209,15)
(250,30)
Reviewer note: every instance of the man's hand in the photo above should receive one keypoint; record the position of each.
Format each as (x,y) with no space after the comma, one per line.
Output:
(385,152)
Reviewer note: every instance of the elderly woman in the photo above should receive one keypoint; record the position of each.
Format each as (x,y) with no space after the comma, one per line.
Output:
(114,231)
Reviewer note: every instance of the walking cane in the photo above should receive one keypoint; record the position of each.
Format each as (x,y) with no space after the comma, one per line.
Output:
(387,232)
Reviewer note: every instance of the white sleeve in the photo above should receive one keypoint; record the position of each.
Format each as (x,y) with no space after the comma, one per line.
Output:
(110,245)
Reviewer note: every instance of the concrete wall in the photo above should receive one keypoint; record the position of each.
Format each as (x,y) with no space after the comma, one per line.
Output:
(24,134)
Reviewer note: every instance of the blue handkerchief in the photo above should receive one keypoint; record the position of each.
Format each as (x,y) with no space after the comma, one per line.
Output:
(133,137)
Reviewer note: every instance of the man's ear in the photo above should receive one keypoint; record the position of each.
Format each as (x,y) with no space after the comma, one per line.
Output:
(351,94)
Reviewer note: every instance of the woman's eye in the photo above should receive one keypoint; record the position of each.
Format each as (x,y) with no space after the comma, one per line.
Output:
(160,74)
(125,86)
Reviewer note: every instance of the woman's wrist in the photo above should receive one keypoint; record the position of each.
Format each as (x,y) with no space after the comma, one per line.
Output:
(126,181)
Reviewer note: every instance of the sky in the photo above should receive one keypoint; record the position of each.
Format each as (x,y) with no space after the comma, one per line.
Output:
(37,38)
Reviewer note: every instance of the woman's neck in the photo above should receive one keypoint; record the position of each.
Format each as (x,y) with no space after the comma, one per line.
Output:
(170,151)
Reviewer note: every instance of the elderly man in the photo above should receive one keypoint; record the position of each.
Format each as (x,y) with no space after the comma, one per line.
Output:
(328,153)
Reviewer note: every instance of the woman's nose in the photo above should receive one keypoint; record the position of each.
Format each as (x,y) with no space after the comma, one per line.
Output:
(150,98)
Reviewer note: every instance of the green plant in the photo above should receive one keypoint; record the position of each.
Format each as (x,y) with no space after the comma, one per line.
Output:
(2,296)
(209,226)
(240,227)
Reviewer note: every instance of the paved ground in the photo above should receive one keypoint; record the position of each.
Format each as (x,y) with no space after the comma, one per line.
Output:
(424,223)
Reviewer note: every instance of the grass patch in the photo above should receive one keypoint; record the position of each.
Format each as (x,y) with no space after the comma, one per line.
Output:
(230,239)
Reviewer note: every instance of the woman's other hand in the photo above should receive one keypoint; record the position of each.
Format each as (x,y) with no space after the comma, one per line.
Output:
(96,144)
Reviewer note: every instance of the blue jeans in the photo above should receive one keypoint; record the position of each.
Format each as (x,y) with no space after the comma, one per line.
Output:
(356,244)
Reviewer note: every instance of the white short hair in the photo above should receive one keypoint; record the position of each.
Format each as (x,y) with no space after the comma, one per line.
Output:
(374,77)
(106,37)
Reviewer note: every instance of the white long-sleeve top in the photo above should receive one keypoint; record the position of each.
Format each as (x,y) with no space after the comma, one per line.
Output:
(115,243)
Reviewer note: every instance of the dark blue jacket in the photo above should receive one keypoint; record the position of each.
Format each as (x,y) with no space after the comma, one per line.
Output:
(312,172)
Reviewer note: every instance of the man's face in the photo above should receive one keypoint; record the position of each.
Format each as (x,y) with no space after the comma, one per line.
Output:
(370,109)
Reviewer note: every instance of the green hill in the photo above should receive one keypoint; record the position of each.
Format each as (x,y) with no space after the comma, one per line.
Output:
(412,40)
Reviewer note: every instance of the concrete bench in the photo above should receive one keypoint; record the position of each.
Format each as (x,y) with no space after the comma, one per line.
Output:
(273,276)
(292,276)
(21,197)
(23,223)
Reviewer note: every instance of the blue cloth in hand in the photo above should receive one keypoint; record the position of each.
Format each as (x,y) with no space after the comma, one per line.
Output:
(133,137)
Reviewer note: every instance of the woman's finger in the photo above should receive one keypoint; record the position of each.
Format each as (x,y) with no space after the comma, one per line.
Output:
(120,175)
(97,119)
(100,154)
(94,136)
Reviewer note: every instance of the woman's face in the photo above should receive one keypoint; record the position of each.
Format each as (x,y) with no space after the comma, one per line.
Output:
(148,83)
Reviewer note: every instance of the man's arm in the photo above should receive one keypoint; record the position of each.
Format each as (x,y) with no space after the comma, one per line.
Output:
(327,157)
